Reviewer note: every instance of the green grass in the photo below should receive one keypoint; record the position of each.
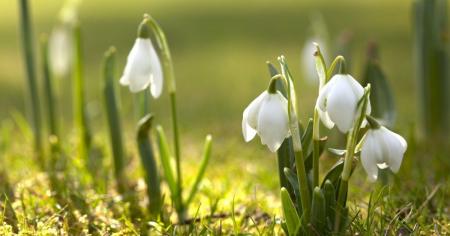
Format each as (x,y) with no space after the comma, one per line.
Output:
(219,50)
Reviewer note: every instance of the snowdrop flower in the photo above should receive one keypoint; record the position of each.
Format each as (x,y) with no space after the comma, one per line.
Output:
(143,68)
(338,100)
(381,148)
(267,116)
(60,51)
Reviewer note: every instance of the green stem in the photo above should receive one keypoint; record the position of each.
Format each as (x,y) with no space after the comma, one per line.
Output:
(316,143)
(113,118)
(170,76)
(303,185)
(27,39)
(177,154)
(78,93)
(149,164)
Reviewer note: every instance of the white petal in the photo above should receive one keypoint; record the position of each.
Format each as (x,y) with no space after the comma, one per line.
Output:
(325,118)
(395,149)
(341,104)
(370,155)
(156,78)
(321,102)
(247,131)
(254,109)
(138,68)
(273,123)
(358,91)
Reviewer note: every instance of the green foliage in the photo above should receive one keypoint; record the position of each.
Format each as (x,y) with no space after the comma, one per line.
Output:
(113,117)
(381,97)
(149,165)
(431,47)
(290,213)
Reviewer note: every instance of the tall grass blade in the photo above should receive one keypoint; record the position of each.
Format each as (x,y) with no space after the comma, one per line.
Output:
(201,170)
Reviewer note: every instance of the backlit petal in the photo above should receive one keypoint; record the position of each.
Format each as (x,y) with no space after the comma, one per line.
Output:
(395,147)
(138,68)
(341,104)
(156,78)
(273,123)
(370,155)
(247,131)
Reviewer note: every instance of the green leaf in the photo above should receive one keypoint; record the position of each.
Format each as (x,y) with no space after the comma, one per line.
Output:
(318,213)
(309,157)
(334,173)
(165,156)
(113,118)
(381,97)
(149,165)
(320,66)
(329,193)
(202,168)
(286,159)
(290,213)
(293,180)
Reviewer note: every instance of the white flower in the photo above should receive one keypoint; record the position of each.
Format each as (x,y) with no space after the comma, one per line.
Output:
(143,68)
(60,51)
(267,116)
(382,148)
(338,100)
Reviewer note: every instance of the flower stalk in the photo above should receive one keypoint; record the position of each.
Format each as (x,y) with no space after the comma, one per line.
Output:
(170,75)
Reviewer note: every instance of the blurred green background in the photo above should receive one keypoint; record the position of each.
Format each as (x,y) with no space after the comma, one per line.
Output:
(219,50)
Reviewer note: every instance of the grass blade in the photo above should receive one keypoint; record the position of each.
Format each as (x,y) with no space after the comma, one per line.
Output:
(201,170)
(165,156)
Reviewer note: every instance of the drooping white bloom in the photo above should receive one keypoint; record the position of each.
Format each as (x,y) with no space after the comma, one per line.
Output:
(338,100)
(60,51)
(267,116)
(143,68)
(382,148)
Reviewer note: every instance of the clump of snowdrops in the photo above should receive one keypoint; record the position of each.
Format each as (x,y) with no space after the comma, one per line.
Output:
(315,205)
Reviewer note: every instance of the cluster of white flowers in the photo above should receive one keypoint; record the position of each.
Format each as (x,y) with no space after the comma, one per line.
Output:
(337,104)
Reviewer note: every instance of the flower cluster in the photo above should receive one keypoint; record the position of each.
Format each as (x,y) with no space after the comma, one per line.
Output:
(342,102)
